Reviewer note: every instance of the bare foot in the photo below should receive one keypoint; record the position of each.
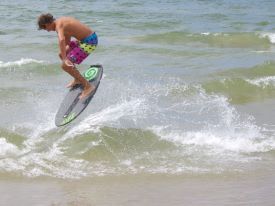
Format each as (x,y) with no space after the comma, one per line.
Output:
(72,83)
(87,90)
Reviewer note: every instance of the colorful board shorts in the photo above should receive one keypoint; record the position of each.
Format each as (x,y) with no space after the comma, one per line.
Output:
(79,50)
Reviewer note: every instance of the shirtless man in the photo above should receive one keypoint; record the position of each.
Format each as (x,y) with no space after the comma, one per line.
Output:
(71,51)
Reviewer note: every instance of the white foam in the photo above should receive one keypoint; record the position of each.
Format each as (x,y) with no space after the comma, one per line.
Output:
(109,116)
(206,33)
(51,162)
(20,62)
(263,82)
(7,148)
(34,158)
(214,34)
(226,130)
(235,137)
(126,162)
(270,36)
(217,134)
(261,52)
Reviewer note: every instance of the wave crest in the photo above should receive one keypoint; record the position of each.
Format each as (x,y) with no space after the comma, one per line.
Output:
(20,62)
(223,40)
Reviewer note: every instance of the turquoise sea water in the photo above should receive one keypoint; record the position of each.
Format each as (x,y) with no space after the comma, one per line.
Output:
(188,89)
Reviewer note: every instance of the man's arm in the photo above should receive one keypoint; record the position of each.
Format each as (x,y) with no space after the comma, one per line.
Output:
(62,44)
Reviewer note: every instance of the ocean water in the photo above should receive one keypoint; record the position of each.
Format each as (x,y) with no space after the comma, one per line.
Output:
(188,90)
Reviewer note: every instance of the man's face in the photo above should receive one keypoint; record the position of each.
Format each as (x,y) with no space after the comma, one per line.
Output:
(47,27)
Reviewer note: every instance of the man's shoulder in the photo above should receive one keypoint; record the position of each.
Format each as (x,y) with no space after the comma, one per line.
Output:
(63,21)
(66,19)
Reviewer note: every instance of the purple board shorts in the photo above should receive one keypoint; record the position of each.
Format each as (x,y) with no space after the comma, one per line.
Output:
(79,50)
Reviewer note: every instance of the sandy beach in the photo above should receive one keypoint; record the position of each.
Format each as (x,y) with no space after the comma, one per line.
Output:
(242,189)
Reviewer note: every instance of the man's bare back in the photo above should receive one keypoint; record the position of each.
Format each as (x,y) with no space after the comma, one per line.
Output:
(71,27)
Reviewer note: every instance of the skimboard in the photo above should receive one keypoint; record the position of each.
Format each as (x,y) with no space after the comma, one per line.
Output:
(72,106)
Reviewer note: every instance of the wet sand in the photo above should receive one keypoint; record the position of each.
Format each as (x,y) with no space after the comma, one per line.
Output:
(241,189)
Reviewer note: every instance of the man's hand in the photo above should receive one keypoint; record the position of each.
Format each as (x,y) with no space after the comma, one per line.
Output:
(67,51)
(68,62)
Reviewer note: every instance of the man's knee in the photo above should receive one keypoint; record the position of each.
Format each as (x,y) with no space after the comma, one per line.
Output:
(67,66)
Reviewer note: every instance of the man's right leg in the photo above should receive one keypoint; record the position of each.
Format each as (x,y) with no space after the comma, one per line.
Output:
(66,66)
(69,67)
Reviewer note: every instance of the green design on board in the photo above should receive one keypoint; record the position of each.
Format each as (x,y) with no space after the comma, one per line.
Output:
(68,118)
(91,73)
